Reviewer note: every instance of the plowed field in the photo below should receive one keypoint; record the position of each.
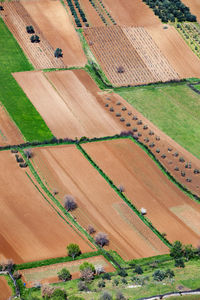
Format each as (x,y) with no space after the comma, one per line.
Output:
(194,6)
(146,186)
(30,227)
(55,25)
(177,52)
(5,290)
(69,102)
(48,274)
(67,170)
(128,56)
(9,133)
(41,54)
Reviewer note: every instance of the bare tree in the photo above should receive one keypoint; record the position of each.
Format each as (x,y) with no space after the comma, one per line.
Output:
(54,192)
(69,203)
(87,274)
(102,239)
(120,69)
(99,269)
(47,290)
(91,229)
(28,153)
(121,188)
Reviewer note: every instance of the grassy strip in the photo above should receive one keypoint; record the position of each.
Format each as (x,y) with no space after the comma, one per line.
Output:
(57,260)
(21,110)
(124,198)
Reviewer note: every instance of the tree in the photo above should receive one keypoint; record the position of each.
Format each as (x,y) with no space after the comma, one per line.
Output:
(120,69)
(177,250)
(99,269)
(47,290)
(159,275)
(188,252)
(69,203)
(138,270)
(58,53)
(91,229)
(87,265)
(102,239)
(169,273)
(35,39)
(30,29)
(87,274)
(64,275)
(179,262)
(73,250)
(28,153)
(59,294)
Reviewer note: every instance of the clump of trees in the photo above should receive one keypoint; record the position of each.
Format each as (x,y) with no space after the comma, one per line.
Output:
(180,253)
(160,275)
(73,250)
(171,10)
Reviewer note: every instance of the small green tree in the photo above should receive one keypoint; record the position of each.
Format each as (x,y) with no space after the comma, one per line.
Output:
(179,262)
(189,252)
(159,275)
(73,250)
(138,270)
(59,294)
(177,250)
(64,275)
(87,265)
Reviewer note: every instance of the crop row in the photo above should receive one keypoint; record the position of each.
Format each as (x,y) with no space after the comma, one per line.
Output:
(73,12)
(102,12)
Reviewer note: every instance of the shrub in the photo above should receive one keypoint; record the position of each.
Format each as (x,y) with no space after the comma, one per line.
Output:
(128,124)
(91,229)
(189,180)
(176,169)
(138,270)
(28,153)
(87,265)
(30,29)
(111,109)
(124,108)
(122,119)
(118,115)
(118,103)
(169,273)
(163,156)
(106,276)
(102,239)
(87,274)
(151,132)
(181,159)
(106,105)
(115,282)
(64,275)
(135,118)
(124,281)
(139,122)
(35,39)
(101,284)
(179,262)
(69,203)
(122,273)
(176,250)
(59,294)
(134,129)
(159,275)
(158,150)
(82,286)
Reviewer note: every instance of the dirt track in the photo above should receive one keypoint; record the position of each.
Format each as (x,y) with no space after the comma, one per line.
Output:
(48,274)
(30,228)
(146,186)
(67,170)
(69,102)
(9,133)
(5,290)
(54,23)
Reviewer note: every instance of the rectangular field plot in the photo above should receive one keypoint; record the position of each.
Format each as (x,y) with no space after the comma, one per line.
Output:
(69,102)
(48,274)
(66,169)
(128,56)
(5,290)
(30,228)
(146,186)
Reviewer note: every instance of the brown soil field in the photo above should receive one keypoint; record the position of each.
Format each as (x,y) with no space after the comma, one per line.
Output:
(132,50)
(194,6)
(41,54)
(69,102)
(131,13)
(92,16)
(56,27)
(146,186)
(9,133)
(154,139)
(48,274)
(5,290)
(67,170)
(175,49)
(30,228)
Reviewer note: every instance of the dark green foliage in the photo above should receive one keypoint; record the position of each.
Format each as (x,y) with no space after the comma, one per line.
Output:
(179,262)
(73,250)
(176,250)
(35,39)
(169,273)
(122,273)
(101,284)
(170,10)
(115,282)
(59,294)
(58,53)
(106,276)
(30,29)
(159,275)
(124,281)
(1,7)
(138,270)
(64,275)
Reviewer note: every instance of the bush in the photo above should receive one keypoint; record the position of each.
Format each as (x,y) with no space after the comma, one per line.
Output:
(115,282)
(124,281)
(122,273)
(106,276)
(179,262)
(64,275)
(58,53)
(59,294)
(87,265)
(82,286)
(101,284)
(138,270)
(159,275)
(35,39)
(30,29)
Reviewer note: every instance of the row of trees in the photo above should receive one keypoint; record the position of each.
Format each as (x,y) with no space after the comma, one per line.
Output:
(170,10)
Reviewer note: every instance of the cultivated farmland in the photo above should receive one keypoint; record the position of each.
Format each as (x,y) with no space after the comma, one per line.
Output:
(169,209)
(5,290)
(40,54)
(125,55)
(70,103)
(54,24)
(30,228)
(67,170)
(48,274)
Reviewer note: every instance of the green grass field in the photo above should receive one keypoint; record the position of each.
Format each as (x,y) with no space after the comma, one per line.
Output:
(197,86)
(21,110)
(174,108)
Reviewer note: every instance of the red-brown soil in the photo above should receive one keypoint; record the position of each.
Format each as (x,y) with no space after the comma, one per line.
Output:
(92,16)
(69,102)
(131,13)
(30,228)
(132,50)
(48,274)
(160,141)
(5,290)
(194,6)
(146,186)
(41,54)
(175,49)
(9,133)
(56,27)
(66,169)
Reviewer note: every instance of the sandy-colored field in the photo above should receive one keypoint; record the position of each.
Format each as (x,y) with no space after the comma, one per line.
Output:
(9,133)
(131,13)
(93,17)
(55,25)
(194,6)
(178,53)
(30,228)
(146,186)
(67,170)
(49,273)
(69,102)
(5,290)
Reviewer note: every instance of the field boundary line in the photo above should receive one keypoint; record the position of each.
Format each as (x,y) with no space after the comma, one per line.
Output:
(123,197)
